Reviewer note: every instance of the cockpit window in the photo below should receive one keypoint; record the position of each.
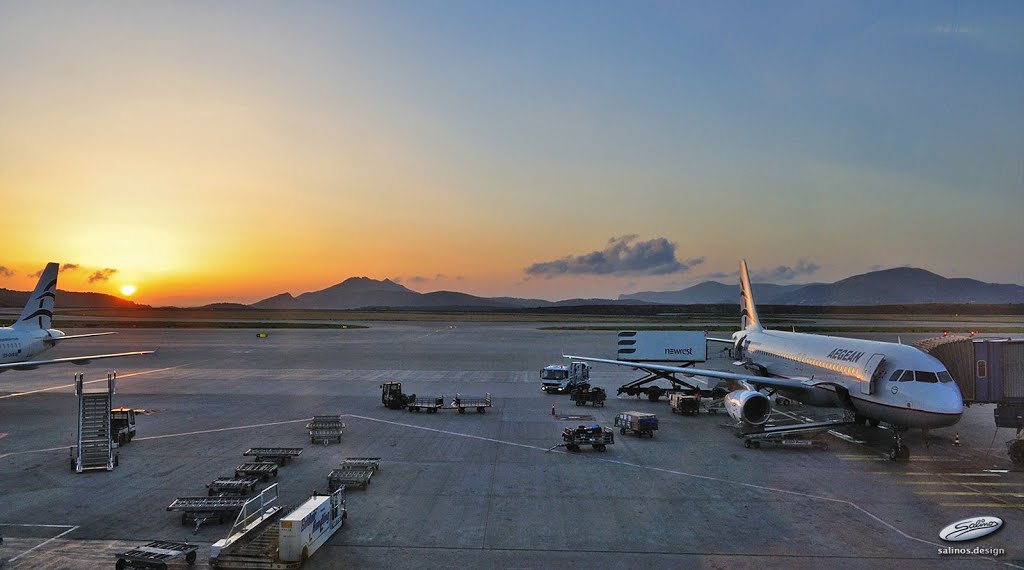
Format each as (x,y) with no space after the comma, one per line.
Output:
(895,376)
(908,376)
(929,377)
(945,377)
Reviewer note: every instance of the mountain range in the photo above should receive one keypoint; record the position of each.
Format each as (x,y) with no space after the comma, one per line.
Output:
(904,285)
(898,286)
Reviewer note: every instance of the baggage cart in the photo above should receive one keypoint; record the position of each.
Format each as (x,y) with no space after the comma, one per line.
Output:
(237,486)
(595,436)
(156,554)
(640,423)
(325,429)
(279,455)
(584,396)
(686,404)
(429,405)
(203,510)
(481,404)
(263,470)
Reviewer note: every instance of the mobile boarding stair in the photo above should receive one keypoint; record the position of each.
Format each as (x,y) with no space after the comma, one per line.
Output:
(95,448)
(252,541)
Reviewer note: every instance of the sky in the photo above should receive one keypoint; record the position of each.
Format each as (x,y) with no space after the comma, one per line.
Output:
(230,151)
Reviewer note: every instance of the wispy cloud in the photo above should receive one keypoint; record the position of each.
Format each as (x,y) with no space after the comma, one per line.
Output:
(5,272)
(70,267)
(621,256)
(102,275)
(786,272)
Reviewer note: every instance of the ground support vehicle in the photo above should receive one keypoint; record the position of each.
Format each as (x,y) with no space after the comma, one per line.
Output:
(253,538)
(561,378)
(798,435)
(640,423)
(325,429)
(481,404)
(236,486)
(203,510)
(584,395)
(429,405)
(122,425)
(263,470)
(595,436)
(279,455)
(156,554)
(308,527)
(688,404)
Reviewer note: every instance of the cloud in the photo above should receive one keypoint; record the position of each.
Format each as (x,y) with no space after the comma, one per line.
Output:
(785,272)
(69,267)
(621,256)
(417,279)
(732,275)
(4,272)
(102,275)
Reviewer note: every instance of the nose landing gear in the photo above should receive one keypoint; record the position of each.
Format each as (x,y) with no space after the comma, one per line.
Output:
(898,451)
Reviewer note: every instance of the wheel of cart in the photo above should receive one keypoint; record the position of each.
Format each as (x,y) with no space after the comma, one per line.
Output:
(751,444)
(572,447)
(599,446)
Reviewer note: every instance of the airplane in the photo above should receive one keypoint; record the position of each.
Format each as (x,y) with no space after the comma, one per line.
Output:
(877,381)
(31,333)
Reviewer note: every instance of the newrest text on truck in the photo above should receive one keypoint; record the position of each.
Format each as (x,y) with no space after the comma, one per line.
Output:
(561,378)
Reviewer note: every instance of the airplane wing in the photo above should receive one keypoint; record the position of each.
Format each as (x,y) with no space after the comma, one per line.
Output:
(748,380)
(31,364)
(70,336)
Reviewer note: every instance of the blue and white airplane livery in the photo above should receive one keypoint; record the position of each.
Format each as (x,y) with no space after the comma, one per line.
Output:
(877,381)
(31,333)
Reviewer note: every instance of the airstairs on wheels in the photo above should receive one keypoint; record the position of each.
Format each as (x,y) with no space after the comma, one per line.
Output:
(95,449)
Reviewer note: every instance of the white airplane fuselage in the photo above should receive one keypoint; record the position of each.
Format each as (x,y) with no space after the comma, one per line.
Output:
(21,344)
(858,373)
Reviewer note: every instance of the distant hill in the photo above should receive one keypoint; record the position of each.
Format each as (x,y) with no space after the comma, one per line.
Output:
(363,292)
(899,286)
(70,300)
(711,293)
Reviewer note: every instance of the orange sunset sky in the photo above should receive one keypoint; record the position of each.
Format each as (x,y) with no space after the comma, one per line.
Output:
(232,151)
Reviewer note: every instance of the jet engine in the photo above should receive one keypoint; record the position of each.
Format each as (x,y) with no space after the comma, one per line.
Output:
(748,406)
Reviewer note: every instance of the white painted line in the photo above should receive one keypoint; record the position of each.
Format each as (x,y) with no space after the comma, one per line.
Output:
(215,430)
(42,544)
(685,474)
(40,525)
(119,377)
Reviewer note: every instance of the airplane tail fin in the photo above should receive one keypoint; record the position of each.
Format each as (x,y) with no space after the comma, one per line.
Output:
(39,309)
(747,309)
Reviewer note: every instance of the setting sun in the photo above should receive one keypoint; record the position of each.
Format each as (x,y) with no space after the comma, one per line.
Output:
(127,290)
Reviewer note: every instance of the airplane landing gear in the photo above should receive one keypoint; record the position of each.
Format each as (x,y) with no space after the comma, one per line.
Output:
(898,451)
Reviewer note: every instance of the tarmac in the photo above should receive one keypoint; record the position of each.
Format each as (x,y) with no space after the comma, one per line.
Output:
(478,490)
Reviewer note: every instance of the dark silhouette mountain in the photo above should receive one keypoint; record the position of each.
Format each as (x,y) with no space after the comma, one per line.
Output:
(899,286)
(70,300)
(902,285)
(363,292)
(711,293)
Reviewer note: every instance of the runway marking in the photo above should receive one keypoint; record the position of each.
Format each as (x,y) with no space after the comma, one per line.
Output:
(684,474)
(1010,494)
(959,483)
(198,432)
(215,430)
(128,375)
(3,435)
(930,474)
(44,543)
(986,505)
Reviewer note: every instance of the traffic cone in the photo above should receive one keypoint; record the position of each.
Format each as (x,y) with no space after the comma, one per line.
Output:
(956,440)
(552,409)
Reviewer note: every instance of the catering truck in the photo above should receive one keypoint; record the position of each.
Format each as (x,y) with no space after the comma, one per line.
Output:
(561,378)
